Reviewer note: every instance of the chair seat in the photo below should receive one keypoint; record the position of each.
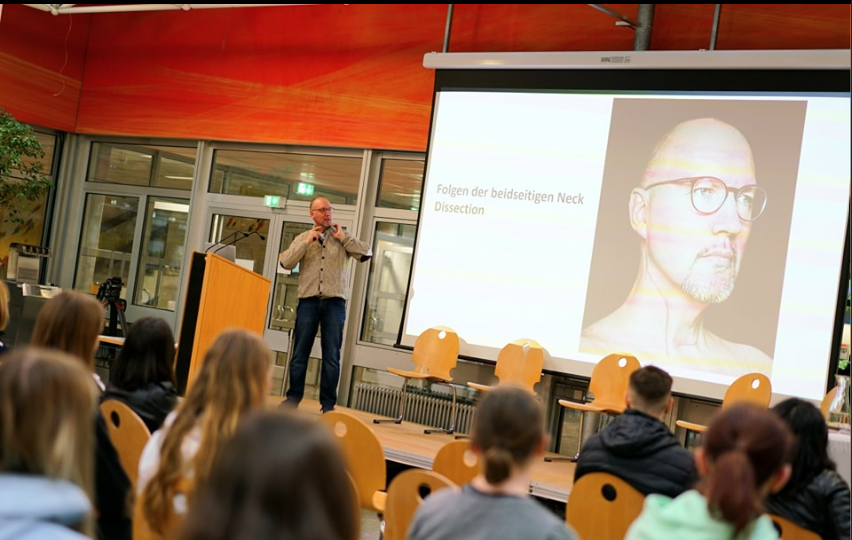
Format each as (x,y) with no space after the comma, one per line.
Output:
(480,387)
(595,406)
(380,501)
(416,375)
(691,426)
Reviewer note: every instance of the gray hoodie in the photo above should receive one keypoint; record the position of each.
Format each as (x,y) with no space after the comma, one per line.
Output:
(37,508)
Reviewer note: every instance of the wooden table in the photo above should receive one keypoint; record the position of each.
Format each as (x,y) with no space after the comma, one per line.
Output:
(112,340)
(406,443)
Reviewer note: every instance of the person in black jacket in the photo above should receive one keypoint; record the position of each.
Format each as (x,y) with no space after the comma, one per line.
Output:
(816,497)
(144,375)
(637,446)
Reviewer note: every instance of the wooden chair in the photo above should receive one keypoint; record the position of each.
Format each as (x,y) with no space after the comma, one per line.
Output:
(365,458)
(826,402)
(354,487)
(435,355)
(405,493)
(456,461)
(602,506)
(608,385)
(519,362)
(751,387)
(787,530)
(128,434)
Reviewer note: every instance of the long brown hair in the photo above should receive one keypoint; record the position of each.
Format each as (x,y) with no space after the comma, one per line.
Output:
(280,476)
(508,428)
(4,305)
(47,403)
(745,446)
(232,381)
(70,322)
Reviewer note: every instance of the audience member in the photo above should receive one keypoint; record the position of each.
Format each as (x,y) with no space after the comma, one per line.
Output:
(71,322)
(637,446)
(743,457)
(508,434)
(280,476)
(816,497)
(4,314)
(233,380)
(46,404)
(144,374)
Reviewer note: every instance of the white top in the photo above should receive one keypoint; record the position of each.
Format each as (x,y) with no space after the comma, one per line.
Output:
(149,462)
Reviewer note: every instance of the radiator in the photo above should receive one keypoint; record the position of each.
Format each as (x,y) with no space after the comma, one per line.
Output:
(426,408)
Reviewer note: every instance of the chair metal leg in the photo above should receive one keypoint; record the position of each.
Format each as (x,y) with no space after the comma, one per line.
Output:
(398,419)
(452,427)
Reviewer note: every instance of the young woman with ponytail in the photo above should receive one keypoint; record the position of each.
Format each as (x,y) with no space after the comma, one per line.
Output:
(508,434)
(743,459)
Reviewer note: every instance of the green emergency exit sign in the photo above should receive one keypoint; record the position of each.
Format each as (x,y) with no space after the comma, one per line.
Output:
(272,201)
(303,188)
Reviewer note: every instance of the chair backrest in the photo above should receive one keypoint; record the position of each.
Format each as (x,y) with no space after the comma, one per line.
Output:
(788,530)
(365,458)
(436,352)
(520,362)
(128,434)
(405,493)
(610,380)
(602,506)
(457,461)
(826,402)
(752,387)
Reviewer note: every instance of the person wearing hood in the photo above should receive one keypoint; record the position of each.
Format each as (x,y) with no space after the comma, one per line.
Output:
(637,446)
(47,400)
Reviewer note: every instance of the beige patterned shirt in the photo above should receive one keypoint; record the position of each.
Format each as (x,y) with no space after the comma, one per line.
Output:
(324,266)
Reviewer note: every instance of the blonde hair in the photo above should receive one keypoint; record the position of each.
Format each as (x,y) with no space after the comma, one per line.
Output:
(4,306)
(232,382)
(47,408)
(70,322)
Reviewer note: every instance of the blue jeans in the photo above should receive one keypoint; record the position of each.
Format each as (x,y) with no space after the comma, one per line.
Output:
(312,314)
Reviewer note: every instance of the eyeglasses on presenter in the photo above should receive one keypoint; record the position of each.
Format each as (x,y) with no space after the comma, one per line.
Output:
(708,194)
(322,210)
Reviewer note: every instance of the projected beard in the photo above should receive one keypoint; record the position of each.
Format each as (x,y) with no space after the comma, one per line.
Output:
(712,275)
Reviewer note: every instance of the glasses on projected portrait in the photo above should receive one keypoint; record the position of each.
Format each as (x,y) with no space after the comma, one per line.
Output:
(708,194)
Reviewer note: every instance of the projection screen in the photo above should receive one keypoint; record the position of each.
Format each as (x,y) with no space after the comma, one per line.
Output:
(690,208)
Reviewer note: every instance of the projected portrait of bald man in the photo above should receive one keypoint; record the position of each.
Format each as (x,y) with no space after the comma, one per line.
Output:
(692,209)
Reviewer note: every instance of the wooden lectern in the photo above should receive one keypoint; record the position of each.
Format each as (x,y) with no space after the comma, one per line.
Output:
(220,295)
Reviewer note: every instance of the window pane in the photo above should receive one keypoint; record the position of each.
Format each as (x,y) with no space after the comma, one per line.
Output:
(48,143)
(399,184)
(286,297)
(33,212)
(138,165)
(251,249)
(298,177)
(389,270)
(162,252)
(106,242)
(174,173)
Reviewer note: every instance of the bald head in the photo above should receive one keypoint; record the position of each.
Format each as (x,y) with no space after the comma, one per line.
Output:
(702,147)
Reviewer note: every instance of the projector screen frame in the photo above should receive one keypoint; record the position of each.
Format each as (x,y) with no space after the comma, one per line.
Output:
(799,71)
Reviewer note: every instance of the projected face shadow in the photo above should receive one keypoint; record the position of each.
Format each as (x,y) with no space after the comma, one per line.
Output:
(694,206)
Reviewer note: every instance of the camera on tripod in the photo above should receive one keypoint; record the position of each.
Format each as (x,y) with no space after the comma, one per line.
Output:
(110,290)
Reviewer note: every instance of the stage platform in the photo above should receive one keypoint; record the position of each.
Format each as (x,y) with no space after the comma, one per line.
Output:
(406,444)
